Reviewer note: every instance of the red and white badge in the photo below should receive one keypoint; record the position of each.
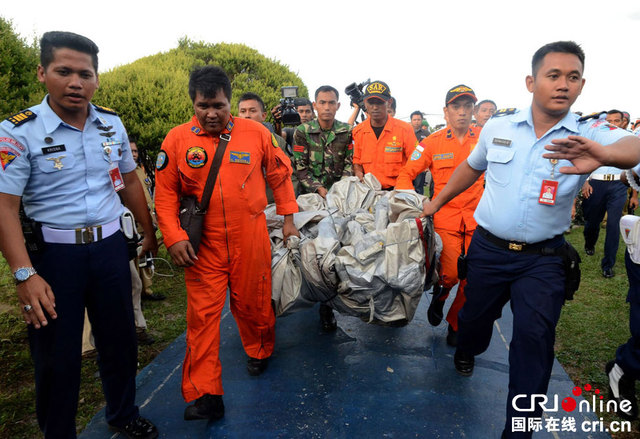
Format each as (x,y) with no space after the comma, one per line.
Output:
(548,192)
(116,178)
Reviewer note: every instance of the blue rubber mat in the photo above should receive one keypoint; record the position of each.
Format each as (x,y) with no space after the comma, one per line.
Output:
(362,381)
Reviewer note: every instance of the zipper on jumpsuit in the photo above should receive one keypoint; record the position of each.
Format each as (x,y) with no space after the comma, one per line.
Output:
(224,215)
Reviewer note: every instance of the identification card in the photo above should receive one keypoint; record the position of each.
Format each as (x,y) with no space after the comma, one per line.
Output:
(116,178)
(548,192)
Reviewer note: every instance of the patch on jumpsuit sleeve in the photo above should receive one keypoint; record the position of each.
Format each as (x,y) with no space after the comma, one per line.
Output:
(417,153)
(162,160)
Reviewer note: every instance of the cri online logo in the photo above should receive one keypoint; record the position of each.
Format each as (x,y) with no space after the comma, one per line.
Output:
(529,403)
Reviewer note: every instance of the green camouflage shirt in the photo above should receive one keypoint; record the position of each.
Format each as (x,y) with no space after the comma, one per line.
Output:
(294,178)
(322,157)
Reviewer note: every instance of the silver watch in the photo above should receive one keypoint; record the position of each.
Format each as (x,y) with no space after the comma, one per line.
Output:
(23,273)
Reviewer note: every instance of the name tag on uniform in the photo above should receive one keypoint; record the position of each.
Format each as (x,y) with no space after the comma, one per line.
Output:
(53,149)
(444,156)
(393,149)
(501,142)
(240,157)
(548,192)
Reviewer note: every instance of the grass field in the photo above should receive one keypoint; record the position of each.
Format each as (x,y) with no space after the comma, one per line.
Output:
(591,328)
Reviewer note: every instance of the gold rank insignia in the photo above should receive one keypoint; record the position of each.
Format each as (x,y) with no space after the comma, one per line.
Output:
(22,117)
(105,109)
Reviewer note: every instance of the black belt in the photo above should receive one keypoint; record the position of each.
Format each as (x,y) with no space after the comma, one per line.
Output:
(541,248)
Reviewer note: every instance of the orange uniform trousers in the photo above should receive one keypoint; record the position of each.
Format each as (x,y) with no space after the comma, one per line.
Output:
(244,266)
(452,242)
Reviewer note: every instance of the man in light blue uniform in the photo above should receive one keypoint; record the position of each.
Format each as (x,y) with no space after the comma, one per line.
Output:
(66,159)
(604,193)
(515,251)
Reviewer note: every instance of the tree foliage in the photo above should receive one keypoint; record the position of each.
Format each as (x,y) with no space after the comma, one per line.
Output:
(19,86)
(151,95)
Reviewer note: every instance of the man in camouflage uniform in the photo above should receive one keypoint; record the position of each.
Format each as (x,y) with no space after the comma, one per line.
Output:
(322,154)
(322,149)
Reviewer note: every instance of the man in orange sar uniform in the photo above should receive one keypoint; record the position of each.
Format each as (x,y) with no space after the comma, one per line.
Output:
(441,153)
(381,144)
(234,251)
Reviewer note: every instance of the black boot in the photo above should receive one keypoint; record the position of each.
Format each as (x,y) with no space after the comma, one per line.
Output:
(434,313)
(255,366)
(327,318)
(206,407)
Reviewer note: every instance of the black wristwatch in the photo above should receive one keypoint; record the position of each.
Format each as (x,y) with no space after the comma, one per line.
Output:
(23,273)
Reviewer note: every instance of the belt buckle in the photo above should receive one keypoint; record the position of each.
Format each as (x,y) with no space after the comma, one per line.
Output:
(515,247)
(608,177)
(85,235)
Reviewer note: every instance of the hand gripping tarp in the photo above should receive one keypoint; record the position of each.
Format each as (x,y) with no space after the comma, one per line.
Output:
(362,252)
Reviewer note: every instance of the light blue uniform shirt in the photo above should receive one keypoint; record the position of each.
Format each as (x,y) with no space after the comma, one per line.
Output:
(61,172)
(512,156)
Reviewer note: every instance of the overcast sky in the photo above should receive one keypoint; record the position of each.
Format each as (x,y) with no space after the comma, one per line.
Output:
(420,48)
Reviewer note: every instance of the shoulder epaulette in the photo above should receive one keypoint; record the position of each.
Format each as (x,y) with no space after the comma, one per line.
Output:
(595,115)
(505,112)
(21,117)
(105,110)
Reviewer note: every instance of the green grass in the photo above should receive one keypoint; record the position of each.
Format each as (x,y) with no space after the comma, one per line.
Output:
(165,321)
(591,328)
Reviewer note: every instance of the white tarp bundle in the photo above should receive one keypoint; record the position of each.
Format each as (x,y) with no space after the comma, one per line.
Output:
(361,252)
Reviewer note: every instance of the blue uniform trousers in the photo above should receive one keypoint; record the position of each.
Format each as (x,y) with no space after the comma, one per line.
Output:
(535,286)
(609,197)
(97,276)
(628,354)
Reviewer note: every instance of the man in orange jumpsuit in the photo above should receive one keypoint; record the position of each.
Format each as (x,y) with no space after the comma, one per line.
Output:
(441,153)
(381,144)
(235,251)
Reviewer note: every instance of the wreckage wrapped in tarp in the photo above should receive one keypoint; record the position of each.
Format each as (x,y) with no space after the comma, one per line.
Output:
(363,253)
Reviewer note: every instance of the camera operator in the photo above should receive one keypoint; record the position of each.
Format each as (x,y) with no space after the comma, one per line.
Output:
(303,107)
(323,153)
(251,106)
(382,144)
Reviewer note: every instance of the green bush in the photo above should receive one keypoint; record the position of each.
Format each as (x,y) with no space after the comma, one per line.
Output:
(151,97)
(19,86)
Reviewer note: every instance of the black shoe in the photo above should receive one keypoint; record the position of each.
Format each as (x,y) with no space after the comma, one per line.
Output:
(144,339)
(139,428)
(255,366)
(590,251)
(608,273)
(622,387)
(464,363)
(154,296)
(434,313)
(452,337)
(206,407)
(327,318)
